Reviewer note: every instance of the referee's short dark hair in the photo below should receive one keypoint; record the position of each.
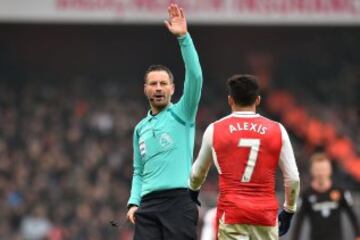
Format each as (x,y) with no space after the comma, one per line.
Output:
(244,89)
(159,67)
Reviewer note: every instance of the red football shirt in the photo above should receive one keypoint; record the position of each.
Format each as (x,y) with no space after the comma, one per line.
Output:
(246,152)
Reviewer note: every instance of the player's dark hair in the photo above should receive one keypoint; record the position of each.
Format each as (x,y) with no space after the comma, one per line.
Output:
(244,89)
(153,68)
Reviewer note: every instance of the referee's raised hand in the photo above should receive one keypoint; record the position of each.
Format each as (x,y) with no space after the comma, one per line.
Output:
(177,22)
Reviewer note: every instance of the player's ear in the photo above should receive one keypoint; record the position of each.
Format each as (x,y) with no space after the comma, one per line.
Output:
(230,101)
(258,100)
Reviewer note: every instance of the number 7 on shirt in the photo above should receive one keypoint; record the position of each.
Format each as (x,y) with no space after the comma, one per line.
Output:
(254,145)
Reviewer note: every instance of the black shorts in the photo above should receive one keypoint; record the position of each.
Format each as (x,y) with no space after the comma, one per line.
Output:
(166,215)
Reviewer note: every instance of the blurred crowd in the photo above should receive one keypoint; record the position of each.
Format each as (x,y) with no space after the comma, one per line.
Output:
(65,161)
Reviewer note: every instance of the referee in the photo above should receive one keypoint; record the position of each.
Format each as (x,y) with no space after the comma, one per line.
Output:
(159,204)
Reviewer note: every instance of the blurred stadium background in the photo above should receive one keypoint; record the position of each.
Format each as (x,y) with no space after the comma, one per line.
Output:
(71,79)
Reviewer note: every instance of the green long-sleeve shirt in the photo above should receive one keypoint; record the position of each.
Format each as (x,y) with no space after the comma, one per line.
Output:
(163,144)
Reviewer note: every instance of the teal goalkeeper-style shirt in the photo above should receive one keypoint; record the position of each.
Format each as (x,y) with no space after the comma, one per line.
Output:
(163,144)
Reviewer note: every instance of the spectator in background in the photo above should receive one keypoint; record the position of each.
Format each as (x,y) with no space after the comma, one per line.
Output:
(37,225)
(55,163)
(323,202)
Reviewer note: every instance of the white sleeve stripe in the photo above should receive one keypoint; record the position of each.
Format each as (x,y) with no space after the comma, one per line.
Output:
(216,163)
(287,161)
(203,161)
(210,139)
(290,172)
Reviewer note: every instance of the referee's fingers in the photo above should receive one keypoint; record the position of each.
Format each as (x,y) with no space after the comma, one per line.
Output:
(132,218)
(131,215)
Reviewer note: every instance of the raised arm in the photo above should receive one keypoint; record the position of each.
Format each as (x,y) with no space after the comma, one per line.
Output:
(187,106)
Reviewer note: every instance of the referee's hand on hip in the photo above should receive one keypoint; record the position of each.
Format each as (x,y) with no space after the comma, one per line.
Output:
(131,213)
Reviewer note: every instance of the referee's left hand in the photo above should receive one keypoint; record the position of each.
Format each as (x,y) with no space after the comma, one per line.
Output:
(131,214)
(194,196)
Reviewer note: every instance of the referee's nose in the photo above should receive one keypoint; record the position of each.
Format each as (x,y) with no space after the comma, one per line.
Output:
(158,87)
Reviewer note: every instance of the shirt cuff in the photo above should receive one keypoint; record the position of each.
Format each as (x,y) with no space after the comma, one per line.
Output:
(184,36)
(131,205)
(184,40)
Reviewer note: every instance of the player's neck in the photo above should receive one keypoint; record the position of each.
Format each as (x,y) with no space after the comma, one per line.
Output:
(321,186)
(236,108)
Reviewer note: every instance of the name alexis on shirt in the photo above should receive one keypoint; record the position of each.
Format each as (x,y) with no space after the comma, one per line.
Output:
(245,126)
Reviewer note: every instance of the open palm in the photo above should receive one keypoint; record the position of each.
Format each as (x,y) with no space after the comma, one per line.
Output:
(177,21)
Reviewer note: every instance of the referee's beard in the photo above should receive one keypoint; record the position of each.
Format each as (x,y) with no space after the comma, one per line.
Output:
(159,104)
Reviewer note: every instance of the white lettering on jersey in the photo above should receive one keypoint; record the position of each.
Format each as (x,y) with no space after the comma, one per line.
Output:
(232,128)
(245,126)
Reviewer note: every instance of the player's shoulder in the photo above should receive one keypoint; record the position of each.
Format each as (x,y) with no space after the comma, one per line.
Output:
(275,124)
(223,119)
(269,120)
(234,116)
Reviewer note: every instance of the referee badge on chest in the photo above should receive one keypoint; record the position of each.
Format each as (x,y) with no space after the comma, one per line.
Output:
(165,140)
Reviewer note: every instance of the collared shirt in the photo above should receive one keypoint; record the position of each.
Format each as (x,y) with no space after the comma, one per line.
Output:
(163,143)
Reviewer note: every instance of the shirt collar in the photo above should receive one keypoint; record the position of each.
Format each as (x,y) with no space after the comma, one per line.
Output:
(149,115)
(245,114)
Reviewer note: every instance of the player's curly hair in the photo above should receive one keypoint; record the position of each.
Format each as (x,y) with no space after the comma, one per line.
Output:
(244,89)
